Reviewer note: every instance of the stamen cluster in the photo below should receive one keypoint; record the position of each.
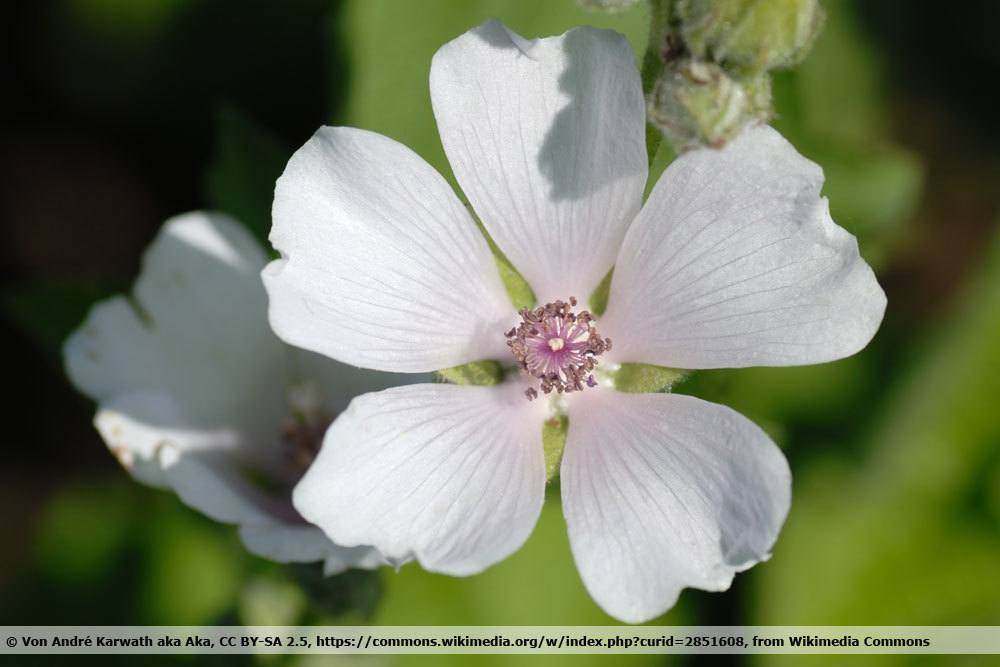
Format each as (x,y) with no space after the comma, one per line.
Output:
(304,427)
(302,441)
(557,346)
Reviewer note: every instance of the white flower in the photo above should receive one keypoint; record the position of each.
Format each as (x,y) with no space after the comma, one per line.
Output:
(196,393)
(733,261)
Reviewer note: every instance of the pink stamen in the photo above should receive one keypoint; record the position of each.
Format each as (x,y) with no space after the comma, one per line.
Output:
(557,346)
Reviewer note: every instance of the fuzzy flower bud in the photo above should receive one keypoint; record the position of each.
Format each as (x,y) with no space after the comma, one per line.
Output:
(609,6)
(697,103)
(750,35)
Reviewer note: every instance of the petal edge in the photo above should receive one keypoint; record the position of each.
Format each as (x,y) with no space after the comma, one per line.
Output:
(663,492)
(735,261)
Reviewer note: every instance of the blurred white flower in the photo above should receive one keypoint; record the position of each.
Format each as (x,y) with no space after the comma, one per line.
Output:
(196,393)
(733,261)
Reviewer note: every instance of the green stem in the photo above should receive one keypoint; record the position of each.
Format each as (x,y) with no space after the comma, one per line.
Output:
(652,64)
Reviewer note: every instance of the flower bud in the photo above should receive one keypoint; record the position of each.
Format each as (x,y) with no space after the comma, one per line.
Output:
(697,103)
(750,35)
(609,6)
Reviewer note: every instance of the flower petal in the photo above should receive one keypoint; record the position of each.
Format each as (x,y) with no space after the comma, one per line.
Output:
(734,261)
(124,423)
(382,266)
(451,475)
(192,386)
(662,492)
(547,139)
(211,481)
(338,384)
(212,484)
(269,527)
(304,543)
(196,332)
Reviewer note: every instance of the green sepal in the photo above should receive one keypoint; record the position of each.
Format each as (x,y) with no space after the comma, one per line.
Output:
(661,29)
(553,443)
(485,372)
(599,298)
(698,103)
(749,35)
(634,378)
(518,289)
(609,6)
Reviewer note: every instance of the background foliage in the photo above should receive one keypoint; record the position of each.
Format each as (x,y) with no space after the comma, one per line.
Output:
(122,113)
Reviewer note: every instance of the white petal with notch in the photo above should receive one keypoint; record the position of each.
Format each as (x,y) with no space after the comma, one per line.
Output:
(663,492)
(382,267)
(547,139)
(734,261)
(453,476)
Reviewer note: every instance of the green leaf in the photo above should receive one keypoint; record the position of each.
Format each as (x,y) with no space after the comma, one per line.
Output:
(635,378)
(485,372)
(553,443)
(240,180)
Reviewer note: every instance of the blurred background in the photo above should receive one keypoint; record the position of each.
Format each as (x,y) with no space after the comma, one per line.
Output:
(120,114)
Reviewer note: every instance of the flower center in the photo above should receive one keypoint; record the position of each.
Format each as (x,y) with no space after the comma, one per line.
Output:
(557,346)
(304,428)
(302,442)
